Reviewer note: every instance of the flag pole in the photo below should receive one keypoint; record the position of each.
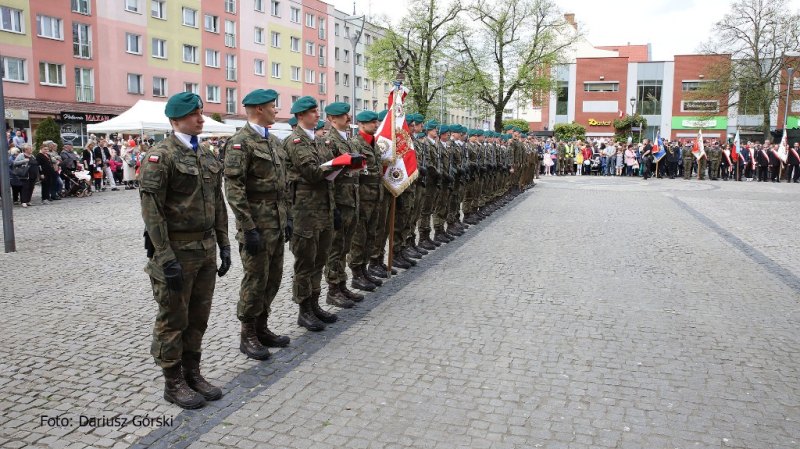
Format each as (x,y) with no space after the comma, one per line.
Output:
(394,198)
(738,154)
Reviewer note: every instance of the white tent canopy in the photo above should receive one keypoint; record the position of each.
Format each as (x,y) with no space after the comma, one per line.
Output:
(146,117)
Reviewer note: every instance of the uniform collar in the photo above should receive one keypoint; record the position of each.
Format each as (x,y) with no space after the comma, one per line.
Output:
(257,128)
(184,138)
(309,133)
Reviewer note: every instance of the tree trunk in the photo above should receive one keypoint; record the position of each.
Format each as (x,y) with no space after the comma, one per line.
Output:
(765,124)
(498,119)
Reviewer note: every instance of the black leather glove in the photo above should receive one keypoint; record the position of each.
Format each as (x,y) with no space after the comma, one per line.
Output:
(337,219)
(356,160)
(450,178)
(422,171)
(173,271)
(436,176)
(225,261)
(252,242)
(148,245)
(288,230)
(462,172)
(398,202)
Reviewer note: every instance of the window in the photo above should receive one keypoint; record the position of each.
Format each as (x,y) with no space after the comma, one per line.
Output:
(358,58)
(135,85)
(212,23)
(212,94)
(191,87)
(158,9)
(294,44)
(346,81)
(648,94)
(309,48)
(49,27)
(322,83)
(310,20)
(259,67)
(366,61)
(322,56)
(336,32)
(336,98)
(81,40)
(600,87)
(309,76)
(190,54)
(275,8)
(346,56)
(295,15)
(14,70)
(11,20)
(321,28)
(366,83)
(346,31)
(562,98)
(84,85)
(346,99)
(212,58)
(700,106)
(690,86)
(358,81)
(368,39)
(321,109)
(276,39)
(190,17)
(276,70)
(336,79)
(230,33)
(230,100)
(278,102)
(259,36)
(81,6)
(230,6)
(159,87)
(295,73)
(366,105)
(159,48)
(295,98)
(133,43)
(132,6)
(230,67)
(336,53)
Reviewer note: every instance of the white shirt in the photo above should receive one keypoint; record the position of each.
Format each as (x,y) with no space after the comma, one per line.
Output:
(433,142)
(343,134)
(185,138)
(310,133)
(259,129)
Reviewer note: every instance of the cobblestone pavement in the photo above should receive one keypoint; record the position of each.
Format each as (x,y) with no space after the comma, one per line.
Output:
(590,312)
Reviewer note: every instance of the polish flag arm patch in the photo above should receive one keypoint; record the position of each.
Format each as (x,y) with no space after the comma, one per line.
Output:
(154,158)
(237,146)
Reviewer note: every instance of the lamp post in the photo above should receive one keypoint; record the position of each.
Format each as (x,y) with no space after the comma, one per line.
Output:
(354,38)
(442,93)
(790,72)
(633,105)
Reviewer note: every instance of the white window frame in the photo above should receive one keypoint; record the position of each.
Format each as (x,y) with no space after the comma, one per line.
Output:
(140,87)
(231,64)
(310,22)
(321,33)
(194,49)
(163,86)
(16,17)
(230,36)
(278,102)
(56,26)
(275,70)
(323,60)
(294,44)
(159,12)
(137,39)
(193,12)
(212,93)
(295,73)
(294,16)
(258,5)
(336,30)
(336,53)
(230,100)
(23,64)
(159,43)
(133,6)
(358,59)
(275,39)
(336,79)
(346,56)
(275,8)
(366,83)
(295,98)
(191,87)
(76,26)
(214,22)
(81,86)
(346,81)
(230,6)
(258,35)
(259,63)
(613,84)
(78,4)
(214,60)
(358,82)
(310,48)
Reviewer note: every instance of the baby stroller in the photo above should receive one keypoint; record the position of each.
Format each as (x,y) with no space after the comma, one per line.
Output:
(76,183)
(596,165)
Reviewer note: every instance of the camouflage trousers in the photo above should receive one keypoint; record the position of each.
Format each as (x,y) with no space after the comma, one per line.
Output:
(310,244)
(366,228)
(715,169)
(430,200)
(182,316)
(442,207)
(454,207)
(687,168)
(382,233)
(262,276)
(702,166)
(471,195)
(402,218)
(341,243)
(416,212)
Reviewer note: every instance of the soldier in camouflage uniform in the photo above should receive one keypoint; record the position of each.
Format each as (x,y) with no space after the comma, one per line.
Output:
(377,264)
(370,192)
(255,180)
(448,188)
(415,128)
(561,152)
(311,215)
(715,158)
(345,216)
(186,219)
(433,183)
(688,160)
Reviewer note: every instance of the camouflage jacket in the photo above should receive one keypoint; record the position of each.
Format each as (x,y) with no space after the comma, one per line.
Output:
(346,184)
(181,198)
(311,190)
(255,181)
(370,183)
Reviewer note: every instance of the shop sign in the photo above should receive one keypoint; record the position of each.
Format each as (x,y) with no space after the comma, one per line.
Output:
(17,114)
(717,122)
(593,122)
(80,117)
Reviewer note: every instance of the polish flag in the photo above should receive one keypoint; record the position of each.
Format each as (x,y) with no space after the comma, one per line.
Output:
(699,149)
(621,114)
(397,155)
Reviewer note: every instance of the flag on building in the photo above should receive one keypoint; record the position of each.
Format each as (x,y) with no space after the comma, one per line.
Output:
(621,114)
(699,149)
(659,151)
(397,148)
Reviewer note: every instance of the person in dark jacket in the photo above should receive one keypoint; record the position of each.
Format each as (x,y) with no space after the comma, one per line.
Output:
(16,183)
(46,173)
(29,181)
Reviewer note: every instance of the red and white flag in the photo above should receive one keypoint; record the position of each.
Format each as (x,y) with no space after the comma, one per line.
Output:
(783,148)
(621,114)
(397,148)
(699,149)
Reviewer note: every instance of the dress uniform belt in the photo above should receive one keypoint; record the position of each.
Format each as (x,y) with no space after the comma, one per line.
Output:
(266,196)
(347,180)
(191,236)
(312,187)
(369,180)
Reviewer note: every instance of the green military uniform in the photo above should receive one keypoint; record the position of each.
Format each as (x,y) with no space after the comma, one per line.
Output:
(418,187)
(473,187)
(702,166)
(186,219)
(561,153)
(454,207)
(312,218)
(448,188)
(714,158)
(688,161)
(569,158)
(433,185)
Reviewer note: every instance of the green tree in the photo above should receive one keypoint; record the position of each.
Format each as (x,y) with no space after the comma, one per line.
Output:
(216,117)
(517,122)
(47,130)
(623,128)
(570,131)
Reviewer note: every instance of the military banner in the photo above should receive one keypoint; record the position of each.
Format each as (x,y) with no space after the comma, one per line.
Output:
(397,146)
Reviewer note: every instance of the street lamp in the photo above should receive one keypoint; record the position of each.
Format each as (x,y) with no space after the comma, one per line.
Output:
(441,92)
(790,72)
(354,38)
(633,105)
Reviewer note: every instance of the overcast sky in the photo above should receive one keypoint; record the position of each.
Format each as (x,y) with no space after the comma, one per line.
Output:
(673,27)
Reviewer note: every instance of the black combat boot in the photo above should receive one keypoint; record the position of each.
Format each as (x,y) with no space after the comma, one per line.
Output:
(352,296)
(471,219)
(412,242)
(439,236)
(306,317)
(425,242)
(190,365)
(399,262)
(385,268)
(268,338)
(336,298)
(249,344)
(359,281)
(319,312)
(462,224)
(177,392)
(411,262)
(410,253)
(453,231)
(376,270)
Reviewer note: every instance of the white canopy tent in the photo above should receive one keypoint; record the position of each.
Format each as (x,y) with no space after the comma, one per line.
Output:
(147,117)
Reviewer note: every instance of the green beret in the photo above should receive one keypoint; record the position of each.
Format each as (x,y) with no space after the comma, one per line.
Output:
(320,124)
(382,114)
(181,104)
(367,116)
(303,104)
(337,108)
(260,96)
(444,129)
(429,125)
(507,127)
(293,121)
(419,118)
(471,133)
(411,118)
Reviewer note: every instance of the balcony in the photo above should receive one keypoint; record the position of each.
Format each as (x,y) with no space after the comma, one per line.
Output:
(84,93)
